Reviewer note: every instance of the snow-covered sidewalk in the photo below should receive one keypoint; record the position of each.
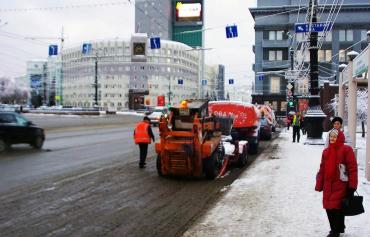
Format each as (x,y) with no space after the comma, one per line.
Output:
(276,197)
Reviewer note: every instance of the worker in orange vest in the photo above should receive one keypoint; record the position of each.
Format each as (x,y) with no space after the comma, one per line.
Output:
(143,135)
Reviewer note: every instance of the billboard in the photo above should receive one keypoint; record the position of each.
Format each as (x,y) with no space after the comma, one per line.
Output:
(35,82)
(189,11)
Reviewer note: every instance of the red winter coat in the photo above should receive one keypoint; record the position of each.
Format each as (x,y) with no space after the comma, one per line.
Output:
(335,190)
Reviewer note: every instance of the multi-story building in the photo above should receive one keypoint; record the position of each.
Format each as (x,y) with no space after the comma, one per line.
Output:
(154,17)
(54,80)
(274,36)
(130,74)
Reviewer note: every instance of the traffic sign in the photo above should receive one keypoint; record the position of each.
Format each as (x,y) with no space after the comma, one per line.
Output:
(204,82)
(315,27)
(180,82)
(301,27)
(289,86)
(231,81)
(86,48)
(291,75)
(155,43)
(289,92)
(53,49)
(231,31)
(321,26)
(260,77)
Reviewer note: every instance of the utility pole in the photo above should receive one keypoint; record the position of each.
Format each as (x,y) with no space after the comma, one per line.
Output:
(315,116)
(96,79)
(169,90)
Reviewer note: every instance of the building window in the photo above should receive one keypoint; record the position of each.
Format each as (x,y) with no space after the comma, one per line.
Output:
(345,35)
(275,85)
(276,35)
(342,55)
(363,34)
(324,55)
(275,55)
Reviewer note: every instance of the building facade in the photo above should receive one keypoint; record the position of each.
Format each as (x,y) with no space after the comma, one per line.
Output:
(275,36)
(130,75)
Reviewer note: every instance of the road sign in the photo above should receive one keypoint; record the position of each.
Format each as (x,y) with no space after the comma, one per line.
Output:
(155,43)
(321,26)
(289,86)
(260,77)
(204,82)
(315,27)
(86,48)
(53,49)
(231,81)
(289,93)
(291,75)
(180,82)
(301,27)
(231,31)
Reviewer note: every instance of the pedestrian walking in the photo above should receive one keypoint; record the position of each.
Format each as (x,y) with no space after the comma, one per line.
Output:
(337,178)
(143,135)
(297,119)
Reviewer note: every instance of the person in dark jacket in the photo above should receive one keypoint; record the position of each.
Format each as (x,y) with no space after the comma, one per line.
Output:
(296,122)
(142,135)
(337,178)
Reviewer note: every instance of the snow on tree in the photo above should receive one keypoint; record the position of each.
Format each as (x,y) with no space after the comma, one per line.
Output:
(361,104)
(11,93)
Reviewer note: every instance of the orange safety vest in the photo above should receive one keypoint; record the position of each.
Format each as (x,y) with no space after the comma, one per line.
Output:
(141,133)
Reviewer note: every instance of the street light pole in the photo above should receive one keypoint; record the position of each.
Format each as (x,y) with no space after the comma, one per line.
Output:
(96,79)
(315,116)
(367,165)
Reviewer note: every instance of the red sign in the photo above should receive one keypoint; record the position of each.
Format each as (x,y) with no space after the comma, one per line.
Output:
(160,100)
(303,104)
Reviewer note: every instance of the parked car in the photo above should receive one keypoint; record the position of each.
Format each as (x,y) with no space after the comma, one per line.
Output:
(156,115)
(265,131)
(16,129)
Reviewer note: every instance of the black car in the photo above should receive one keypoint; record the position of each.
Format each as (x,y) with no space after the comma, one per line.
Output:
(15,129)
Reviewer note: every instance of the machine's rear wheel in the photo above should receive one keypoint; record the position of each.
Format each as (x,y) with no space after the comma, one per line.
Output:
(159,166)
(212,164)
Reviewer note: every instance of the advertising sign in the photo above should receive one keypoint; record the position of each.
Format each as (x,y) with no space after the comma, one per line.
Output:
(361,63)
(35,82)
(303,104)
(188,11)
(160,100)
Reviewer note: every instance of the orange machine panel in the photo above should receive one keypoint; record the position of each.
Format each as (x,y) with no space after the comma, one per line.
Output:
(244,114)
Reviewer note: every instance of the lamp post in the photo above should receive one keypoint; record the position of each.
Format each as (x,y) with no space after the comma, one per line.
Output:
(315,116)
(341,101)
(367,165)
(352,99)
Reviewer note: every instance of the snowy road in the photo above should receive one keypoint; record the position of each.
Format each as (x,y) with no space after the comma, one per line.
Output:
(87,183)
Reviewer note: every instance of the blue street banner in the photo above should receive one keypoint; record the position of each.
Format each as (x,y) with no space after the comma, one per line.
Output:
(231,31)
(315,27)
(155,43)
(231,81)
(321,26)
(86,48)
(53,49)
(301,27)
(180,82)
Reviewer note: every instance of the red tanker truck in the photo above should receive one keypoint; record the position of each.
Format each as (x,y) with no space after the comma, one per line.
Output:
(245,120)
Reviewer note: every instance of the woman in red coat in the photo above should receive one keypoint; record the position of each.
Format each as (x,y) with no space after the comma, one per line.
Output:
(337,178)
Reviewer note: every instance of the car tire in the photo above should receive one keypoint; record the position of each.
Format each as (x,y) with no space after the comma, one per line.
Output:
(3,145)
(38,142)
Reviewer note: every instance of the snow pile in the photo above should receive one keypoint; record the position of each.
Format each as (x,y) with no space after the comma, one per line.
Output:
(276,197)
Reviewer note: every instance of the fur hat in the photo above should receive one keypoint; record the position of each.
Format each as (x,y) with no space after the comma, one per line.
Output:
(339,119)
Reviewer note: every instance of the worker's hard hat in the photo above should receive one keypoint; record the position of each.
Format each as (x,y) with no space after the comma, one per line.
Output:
(183,104)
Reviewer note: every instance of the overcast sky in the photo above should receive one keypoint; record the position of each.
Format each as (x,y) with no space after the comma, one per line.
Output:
(87,20)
